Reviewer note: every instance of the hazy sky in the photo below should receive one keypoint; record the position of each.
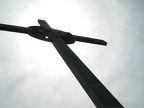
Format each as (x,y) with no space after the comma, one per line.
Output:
(33,75)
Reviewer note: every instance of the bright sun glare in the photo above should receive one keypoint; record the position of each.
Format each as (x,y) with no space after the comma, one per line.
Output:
(67,16)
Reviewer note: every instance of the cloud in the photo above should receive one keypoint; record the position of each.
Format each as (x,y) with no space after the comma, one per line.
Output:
(27,81)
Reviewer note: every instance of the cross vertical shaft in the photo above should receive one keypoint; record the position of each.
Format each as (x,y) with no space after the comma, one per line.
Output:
(97,92)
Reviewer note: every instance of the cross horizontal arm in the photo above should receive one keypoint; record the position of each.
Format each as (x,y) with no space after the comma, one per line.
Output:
(40,33)
(89,40)
(13,28)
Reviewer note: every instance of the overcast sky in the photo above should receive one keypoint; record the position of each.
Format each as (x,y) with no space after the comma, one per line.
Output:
(33,75)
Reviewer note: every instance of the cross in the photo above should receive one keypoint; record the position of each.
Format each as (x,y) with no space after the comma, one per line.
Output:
(97,92)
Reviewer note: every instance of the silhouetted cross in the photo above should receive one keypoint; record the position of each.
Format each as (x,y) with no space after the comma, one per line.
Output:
(97,92)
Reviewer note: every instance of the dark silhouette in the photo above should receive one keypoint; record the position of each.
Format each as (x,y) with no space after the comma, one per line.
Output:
(97,92)
(41,33)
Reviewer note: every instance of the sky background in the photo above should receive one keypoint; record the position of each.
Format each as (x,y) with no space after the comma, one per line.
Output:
(32,73)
